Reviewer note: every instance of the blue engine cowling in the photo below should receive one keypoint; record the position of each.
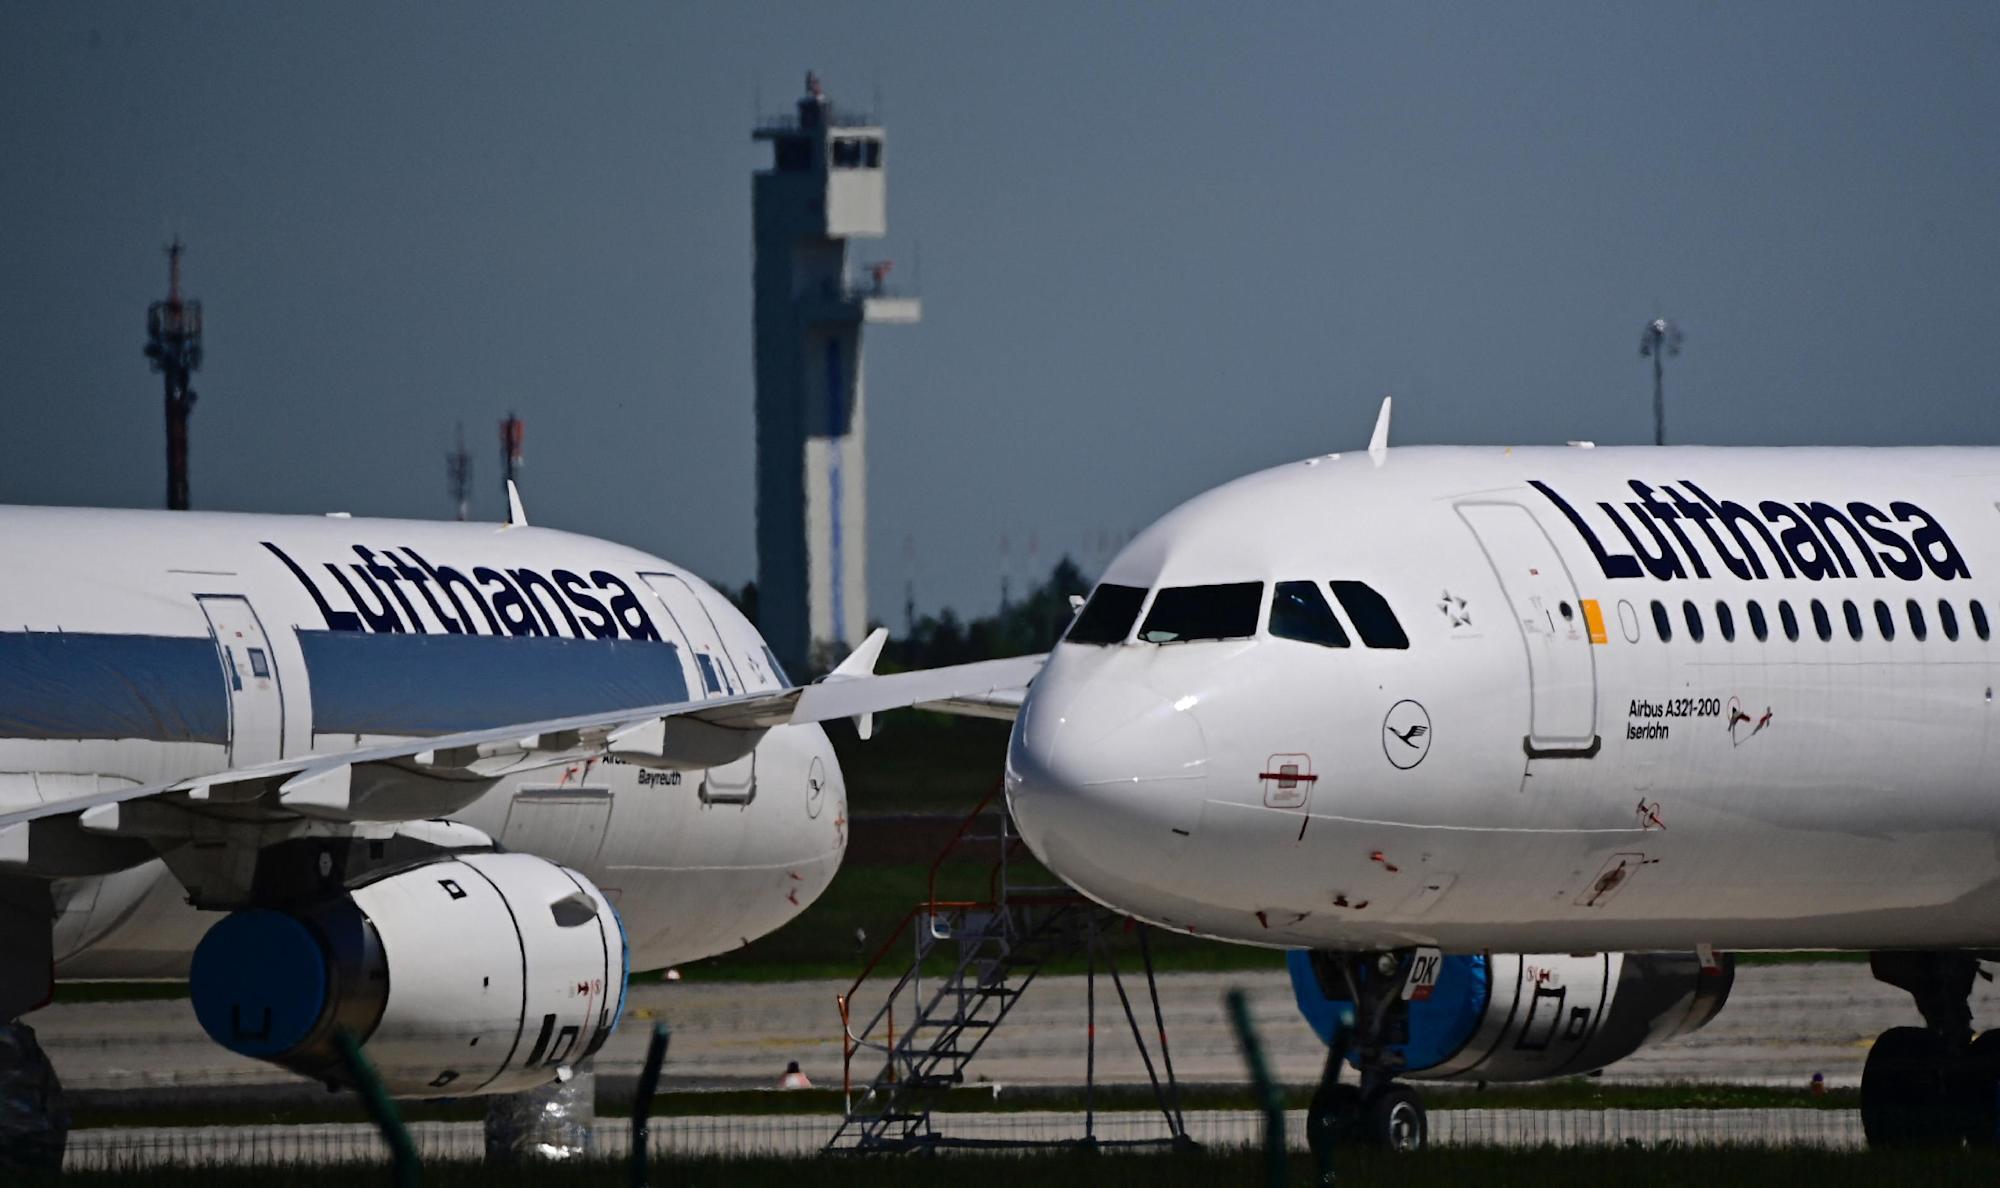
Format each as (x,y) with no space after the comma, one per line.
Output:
(1524,1017)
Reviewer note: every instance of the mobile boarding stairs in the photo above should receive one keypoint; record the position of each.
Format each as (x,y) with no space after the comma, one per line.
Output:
(969,963)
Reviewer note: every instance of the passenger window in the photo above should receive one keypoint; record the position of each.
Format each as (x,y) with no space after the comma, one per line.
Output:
(259,666)
(1370,614)
(1693,617)
(1821,624)
(1725,621)
(1979,623)
(1916,613)
(1790,620)
(1299,611)
(1661,623)
(1947,619)
(1852,614)
(1182,614)
(1884,620)
(1758,627)
(1108,617)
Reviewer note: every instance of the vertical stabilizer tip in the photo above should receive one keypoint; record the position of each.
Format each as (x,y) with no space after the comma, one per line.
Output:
(1378,443)
(517,516)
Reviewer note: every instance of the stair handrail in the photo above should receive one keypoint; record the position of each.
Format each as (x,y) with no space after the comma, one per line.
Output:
(851,1043)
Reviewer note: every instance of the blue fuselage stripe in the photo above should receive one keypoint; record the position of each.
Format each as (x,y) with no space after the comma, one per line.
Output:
(363,683)
(69,685)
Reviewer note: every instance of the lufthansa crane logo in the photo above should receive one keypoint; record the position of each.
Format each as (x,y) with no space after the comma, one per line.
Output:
(1406,734)
(815,787)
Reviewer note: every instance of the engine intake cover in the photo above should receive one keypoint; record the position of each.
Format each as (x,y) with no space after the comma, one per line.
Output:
(481,973)
(1525,1017)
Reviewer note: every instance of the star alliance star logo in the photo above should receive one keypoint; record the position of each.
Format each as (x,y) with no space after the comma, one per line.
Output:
(1452,607)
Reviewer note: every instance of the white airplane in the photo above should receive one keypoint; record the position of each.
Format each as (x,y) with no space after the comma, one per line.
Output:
(1380,705)
(323,726)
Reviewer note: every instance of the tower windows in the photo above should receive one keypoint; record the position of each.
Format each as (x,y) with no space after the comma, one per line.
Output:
(856,152)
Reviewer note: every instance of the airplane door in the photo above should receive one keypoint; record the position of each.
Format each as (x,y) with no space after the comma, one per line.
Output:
(1562,672)
(256,699)
(710,673)
(713,673)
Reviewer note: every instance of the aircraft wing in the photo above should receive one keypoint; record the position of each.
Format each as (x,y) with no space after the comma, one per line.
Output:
(682,734)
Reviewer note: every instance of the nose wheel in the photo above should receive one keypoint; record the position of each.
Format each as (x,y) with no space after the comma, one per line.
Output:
(1381,1112)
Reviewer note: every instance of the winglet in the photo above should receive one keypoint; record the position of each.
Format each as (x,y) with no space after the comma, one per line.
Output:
(1378,445)
(517,516)
(861,663)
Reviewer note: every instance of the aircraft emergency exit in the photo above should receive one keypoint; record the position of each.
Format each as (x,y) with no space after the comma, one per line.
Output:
(441,784)
(1386,705)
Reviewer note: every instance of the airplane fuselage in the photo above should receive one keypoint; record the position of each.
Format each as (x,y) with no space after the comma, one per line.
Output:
(137,647)
(1646,699)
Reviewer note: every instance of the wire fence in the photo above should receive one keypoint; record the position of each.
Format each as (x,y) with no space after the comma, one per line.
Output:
(126,1148)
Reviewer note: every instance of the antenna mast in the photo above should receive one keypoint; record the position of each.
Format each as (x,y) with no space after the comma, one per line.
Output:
(458,473)
(173,343)
(511,433)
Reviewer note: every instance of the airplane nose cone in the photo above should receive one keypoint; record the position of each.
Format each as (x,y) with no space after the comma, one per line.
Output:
(1105,778)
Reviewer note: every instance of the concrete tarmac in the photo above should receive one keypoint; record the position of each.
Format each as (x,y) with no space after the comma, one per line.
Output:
(1782,1024)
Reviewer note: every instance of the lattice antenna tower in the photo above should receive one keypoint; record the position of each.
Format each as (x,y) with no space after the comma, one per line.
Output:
(173,344)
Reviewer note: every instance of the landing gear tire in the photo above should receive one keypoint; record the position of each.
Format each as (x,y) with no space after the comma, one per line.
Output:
(1333,1120)
(1977,1089)
(1395,1119)
(1905,1100)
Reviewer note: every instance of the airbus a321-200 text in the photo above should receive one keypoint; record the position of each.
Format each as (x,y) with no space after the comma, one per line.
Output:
(442,785)
(1513,746)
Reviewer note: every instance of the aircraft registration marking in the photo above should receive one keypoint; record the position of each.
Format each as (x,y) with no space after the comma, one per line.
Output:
(1650,721)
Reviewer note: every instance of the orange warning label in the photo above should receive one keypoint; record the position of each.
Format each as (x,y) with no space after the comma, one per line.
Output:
(1593,618)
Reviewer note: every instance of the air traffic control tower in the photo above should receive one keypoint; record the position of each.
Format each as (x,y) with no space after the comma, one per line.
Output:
(826,185)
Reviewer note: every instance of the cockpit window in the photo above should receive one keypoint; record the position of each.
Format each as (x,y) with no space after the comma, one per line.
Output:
(1184,613)
(1370,614)
(1108,617)
(1299,611)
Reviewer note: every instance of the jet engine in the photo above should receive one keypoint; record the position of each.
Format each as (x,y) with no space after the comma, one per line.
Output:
(1524,1017)
(478,973)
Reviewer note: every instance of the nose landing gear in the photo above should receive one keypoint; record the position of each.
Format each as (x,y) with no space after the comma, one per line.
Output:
(1934,1085)
(1380,1112)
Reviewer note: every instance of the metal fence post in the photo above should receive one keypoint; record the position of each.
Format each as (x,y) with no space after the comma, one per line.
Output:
(1268,1098)
(382,1110)
(642,1105)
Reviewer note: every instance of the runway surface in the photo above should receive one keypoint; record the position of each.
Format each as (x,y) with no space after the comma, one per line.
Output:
(1782,1024)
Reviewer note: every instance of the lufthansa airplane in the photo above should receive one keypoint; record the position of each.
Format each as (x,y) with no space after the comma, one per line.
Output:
(440,784)
(1404,708)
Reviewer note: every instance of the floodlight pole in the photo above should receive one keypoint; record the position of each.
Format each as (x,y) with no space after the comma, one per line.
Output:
(1660,338)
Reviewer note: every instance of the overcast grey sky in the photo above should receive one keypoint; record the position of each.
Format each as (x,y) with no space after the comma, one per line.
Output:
(1160,246)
